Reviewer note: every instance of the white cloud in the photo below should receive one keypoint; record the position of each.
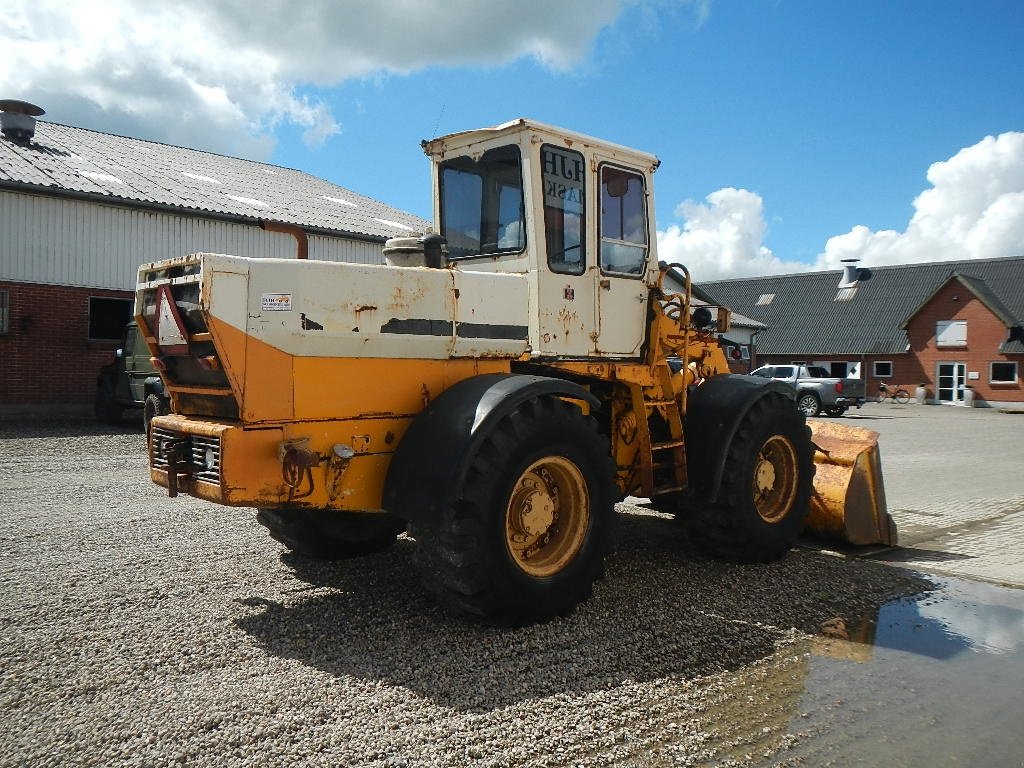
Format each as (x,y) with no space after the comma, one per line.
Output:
(974,209)
(723,238)
(223,75)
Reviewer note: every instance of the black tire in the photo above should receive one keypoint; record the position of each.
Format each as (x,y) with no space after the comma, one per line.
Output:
(902,396)
(836,410)
(105,406)
(527,534)
(748,525)
(329,535)
(808,404)
(154,406)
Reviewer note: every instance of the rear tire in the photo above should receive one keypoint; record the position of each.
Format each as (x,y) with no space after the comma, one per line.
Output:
(329,535)
(766,487)
(809,404)
(836,411)
(902,396)
(154,406)
(526,536)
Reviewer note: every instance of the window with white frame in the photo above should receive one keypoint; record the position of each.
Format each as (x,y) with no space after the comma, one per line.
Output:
(5,311)
(1002,373)
(951,333)
(882,369)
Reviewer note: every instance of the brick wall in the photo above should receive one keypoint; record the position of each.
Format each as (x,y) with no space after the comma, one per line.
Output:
(985,332)
(46,356)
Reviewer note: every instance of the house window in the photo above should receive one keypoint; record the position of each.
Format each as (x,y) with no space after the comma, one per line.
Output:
(951,333)
(108,317)
(1002,373)
(5,311)
(882,369)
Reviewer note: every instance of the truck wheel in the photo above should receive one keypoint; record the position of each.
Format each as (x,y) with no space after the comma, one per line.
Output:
(526,536)
(105,407)
(329,535)
(766,487)
(154,406)
(809,404)
(836,410)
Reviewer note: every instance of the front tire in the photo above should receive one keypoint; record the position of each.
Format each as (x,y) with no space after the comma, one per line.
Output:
(766,487)
(328,535)
(808,404)
(527,533)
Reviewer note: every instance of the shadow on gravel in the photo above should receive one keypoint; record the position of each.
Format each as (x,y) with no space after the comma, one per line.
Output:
(662,611)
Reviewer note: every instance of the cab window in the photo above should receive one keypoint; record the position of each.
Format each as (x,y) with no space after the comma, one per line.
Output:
(562,174)
(482,204)
(623,221)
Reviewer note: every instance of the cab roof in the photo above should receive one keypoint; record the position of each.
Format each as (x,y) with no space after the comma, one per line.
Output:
(453,142)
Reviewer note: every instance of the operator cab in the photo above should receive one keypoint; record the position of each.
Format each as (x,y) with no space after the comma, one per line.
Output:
(572,213)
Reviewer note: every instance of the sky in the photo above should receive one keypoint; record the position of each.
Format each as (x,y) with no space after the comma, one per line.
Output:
(791,133)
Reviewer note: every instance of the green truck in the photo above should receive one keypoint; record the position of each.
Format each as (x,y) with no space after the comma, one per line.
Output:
(130,382)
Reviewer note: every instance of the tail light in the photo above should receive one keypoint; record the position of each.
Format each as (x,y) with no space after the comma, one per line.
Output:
(839,386)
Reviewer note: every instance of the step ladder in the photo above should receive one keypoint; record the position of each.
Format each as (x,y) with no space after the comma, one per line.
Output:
(669,454)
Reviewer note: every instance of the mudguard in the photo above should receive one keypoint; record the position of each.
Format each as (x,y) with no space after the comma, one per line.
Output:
(713,413)
(430,463)
(153,385)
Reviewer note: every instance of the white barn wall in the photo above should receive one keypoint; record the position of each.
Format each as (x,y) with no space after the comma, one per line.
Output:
(63,241)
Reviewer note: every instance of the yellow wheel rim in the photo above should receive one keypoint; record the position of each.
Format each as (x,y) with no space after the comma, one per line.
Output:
(775,479)
(547,516)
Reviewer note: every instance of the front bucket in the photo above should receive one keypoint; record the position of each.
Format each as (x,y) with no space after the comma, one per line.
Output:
(848,500)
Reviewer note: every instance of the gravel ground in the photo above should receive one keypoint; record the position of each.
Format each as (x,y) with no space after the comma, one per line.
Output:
(142,630)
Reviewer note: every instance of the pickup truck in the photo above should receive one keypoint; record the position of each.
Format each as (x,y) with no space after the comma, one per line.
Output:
(816,391)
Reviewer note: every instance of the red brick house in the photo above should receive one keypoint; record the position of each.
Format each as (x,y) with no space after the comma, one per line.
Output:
(955,327)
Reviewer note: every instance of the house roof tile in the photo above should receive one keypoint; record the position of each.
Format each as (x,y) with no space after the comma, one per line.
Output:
(804,317)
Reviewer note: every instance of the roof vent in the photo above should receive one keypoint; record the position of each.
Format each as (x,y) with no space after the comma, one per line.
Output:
(18,119)
(851,273)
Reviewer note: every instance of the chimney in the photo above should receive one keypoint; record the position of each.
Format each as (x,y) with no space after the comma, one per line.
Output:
(18,120)
(851,273)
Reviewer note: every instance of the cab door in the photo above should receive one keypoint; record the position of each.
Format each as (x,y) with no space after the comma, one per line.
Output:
(623,247)
(136,363)
(565,275)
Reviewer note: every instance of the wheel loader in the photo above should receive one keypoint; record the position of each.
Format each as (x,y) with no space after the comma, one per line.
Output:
(494,388)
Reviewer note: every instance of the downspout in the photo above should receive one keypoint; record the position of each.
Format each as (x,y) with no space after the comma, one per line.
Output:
(302,242)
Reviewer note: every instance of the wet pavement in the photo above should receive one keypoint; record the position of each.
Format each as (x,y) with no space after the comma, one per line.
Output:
(930,681)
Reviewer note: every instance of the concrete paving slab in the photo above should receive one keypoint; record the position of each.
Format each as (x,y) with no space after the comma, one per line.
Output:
(954,480)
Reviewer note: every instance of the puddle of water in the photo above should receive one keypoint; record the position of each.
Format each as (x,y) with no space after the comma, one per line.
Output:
(936,680)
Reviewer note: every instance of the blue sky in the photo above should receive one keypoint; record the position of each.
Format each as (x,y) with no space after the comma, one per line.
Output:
(802,120)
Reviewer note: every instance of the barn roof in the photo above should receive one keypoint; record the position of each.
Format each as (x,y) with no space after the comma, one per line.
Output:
(68,161)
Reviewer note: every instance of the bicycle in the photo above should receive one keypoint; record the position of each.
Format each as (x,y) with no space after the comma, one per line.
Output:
(898,395)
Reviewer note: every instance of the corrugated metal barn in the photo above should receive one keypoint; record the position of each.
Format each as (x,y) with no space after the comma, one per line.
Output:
(80,210)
